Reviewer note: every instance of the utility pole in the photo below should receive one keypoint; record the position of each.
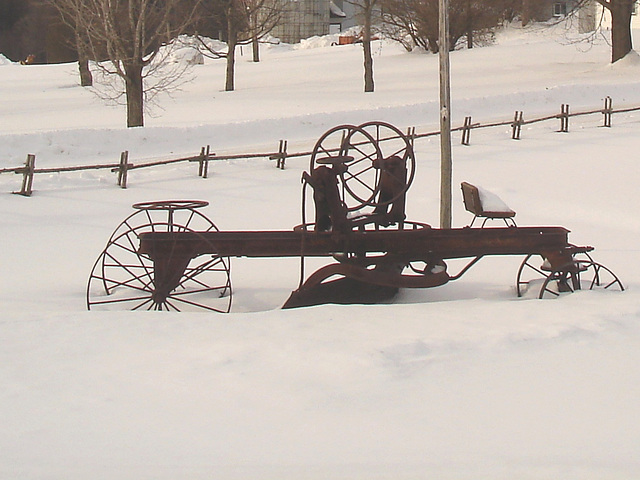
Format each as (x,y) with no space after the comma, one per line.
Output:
(445,116)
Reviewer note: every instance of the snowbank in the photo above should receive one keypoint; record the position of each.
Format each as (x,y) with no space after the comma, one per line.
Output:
(4,60)
(460,382)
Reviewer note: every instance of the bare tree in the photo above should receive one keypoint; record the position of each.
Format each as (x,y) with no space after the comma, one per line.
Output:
(415,22)
(244,22)
(128,35)
(621,12)
(368,13)
(400,25)
(479,18)
(263,15)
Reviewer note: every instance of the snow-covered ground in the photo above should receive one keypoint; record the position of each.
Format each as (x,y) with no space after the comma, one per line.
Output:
(464,381)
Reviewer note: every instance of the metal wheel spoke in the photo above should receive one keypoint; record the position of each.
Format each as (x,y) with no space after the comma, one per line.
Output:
(130,266)
(170,306)
(133,250)
(132,274)
(192,274)
(140,305)
(364,184)
(199,305)
(535,269)
(126,248)
(613,282)
(546,289)
(328,153)
(146,287)
(596,278)
(121,300)
(188,222)
(206,288)
(365,156)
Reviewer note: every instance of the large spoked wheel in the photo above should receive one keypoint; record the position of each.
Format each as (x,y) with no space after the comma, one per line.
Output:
(355,155)
(579,275)
(124,278)
(393,143)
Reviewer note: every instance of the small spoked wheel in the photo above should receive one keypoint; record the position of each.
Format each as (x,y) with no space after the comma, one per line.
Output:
(579,275)
(534,269)
(582,273)
(124,278)
(354,154)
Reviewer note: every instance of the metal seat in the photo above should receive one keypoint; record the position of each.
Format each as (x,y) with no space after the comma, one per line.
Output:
(473,204)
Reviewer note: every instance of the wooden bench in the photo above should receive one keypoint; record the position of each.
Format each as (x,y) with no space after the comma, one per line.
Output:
(490,207)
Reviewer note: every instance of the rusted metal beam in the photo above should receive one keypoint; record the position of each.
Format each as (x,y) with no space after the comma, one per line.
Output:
(411,244)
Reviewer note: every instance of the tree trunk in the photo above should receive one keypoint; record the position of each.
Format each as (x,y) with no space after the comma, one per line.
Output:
(526,12)
(434,44)
(232,41)
(621,11)
(86,79)
(229,85)
(469,26)
(255,45)
(134,94)
(368,58)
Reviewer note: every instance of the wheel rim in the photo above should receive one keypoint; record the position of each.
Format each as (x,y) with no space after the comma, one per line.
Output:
(359,180)
(123,278)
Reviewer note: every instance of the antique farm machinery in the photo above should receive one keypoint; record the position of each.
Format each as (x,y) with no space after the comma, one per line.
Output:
(169,256)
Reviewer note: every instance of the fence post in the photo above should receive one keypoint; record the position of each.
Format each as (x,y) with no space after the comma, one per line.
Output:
(203,161)
(123,169)
(282,149)
(411,135)
(281,156)
(516,126)
(466,131)
(27,176)
(607,111)
(564,118)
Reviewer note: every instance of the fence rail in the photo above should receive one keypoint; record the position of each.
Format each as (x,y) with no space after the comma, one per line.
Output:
(28,170)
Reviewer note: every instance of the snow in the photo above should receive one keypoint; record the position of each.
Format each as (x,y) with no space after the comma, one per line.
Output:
(463,381)
(4,60)
(491,202)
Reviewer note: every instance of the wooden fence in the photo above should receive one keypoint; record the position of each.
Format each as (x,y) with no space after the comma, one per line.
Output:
(28,170)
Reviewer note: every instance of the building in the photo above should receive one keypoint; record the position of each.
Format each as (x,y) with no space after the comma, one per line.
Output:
(544,10)
(307,18)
